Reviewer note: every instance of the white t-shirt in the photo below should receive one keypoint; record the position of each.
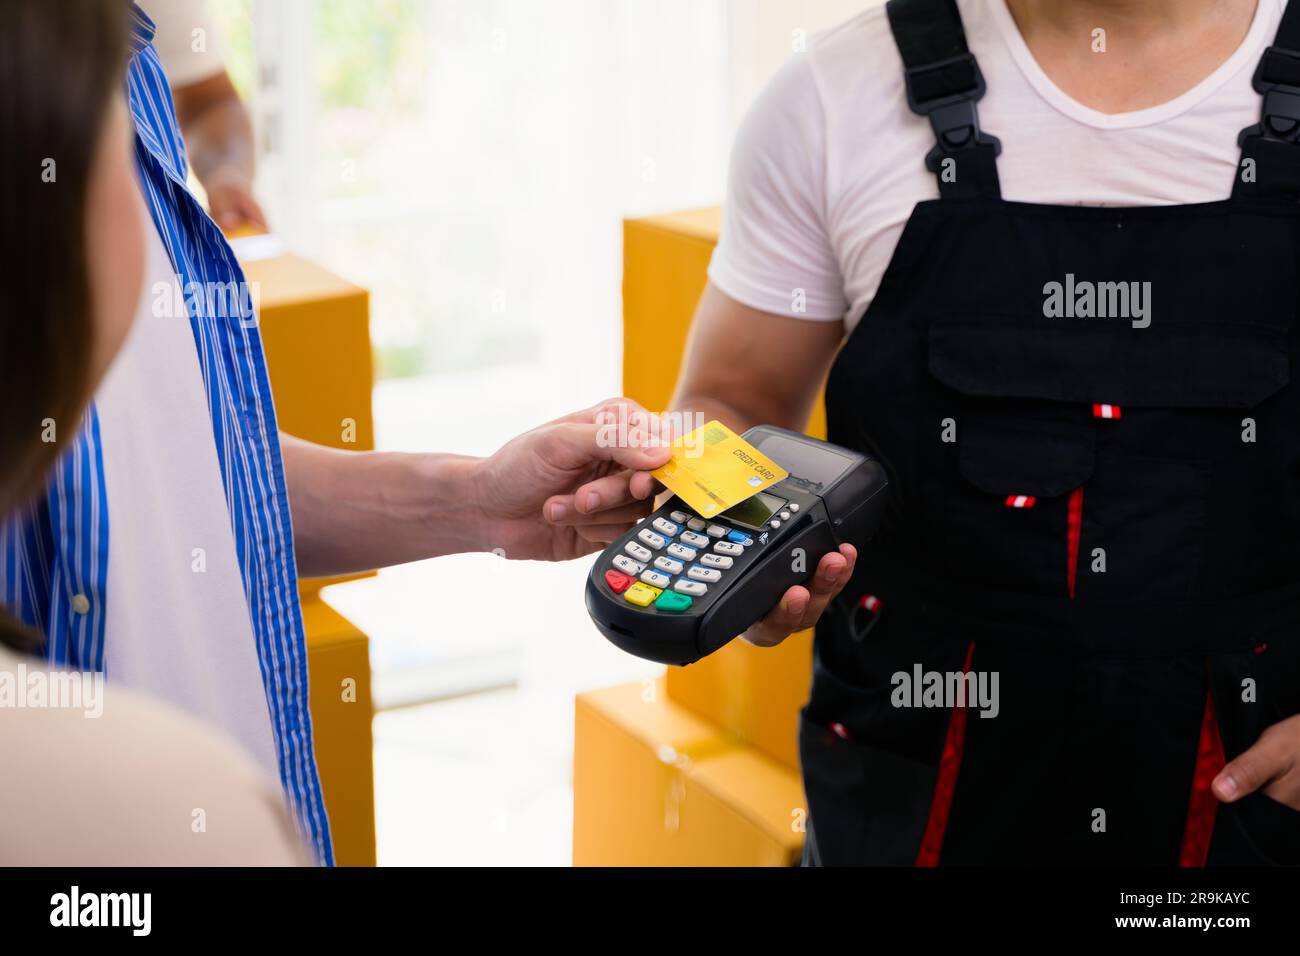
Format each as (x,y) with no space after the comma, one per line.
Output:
(178,623)
(829,162)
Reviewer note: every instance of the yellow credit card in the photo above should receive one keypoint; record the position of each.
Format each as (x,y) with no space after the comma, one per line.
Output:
(713,468)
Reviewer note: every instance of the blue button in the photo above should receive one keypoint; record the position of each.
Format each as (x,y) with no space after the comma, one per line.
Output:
(739,537)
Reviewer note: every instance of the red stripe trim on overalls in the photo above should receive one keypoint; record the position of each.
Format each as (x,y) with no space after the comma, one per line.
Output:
(1203,804)
(946,784)
(1073,532)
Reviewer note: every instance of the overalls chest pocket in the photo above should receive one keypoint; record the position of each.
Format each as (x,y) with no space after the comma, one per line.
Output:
(1080,456)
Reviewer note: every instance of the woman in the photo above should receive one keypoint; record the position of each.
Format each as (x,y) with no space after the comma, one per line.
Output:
(1071,329)
(91,777)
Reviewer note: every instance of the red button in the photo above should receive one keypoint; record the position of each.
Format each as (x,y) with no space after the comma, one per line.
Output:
(617,581)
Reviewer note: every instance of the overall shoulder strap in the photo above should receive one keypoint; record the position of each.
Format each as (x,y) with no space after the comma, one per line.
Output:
(944,82)
(1270,150)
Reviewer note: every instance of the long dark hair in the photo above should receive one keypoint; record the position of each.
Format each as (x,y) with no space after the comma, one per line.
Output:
(60,64)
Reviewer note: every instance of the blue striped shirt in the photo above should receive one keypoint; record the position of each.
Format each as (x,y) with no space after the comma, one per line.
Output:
(54,553)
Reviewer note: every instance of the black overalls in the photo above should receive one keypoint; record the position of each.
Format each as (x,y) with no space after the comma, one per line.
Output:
(1102,512)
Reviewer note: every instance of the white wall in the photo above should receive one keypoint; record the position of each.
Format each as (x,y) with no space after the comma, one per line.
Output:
(762,34)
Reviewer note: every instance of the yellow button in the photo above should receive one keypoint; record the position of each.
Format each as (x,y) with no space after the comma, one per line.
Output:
(80,604)
(642,595)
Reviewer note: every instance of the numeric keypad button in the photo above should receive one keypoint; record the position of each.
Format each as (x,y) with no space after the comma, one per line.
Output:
(665,527)
(655,579)
(668,565)
(650,539)
(627,565)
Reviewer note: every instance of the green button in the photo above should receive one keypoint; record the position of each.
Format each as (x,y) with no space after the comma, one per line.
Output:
(672,601)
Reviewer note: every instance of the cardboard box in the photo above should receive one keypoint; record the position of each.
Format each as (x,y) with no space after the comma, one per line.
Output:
(665,263)
(316,332)
(338,658)
(754,693)
(654,785)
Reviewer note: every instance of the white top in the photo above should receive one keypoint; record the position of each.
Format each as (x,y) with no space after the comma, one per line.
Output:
(178,623)
(828,164)
(186,39)
(126,782)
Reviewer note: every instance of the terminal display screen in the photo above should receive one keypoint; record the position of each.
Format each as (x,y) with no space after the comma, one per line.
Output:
(755,511)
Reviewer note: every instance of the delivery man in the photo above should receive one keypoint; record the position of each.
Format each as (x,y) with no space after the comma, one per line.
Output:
(1071,329)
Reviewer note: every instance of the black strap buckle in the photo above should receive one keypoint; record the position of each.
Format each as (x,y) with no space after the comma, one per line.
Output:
(1280,117)
(954,117)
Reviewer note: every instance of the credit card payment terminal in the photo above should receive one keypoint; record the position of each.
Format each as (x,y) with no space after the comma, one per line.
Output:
(676,587)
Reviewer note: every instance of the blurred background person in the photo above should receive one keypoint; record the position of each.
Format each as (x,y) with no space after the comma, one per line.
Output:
(218,131)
